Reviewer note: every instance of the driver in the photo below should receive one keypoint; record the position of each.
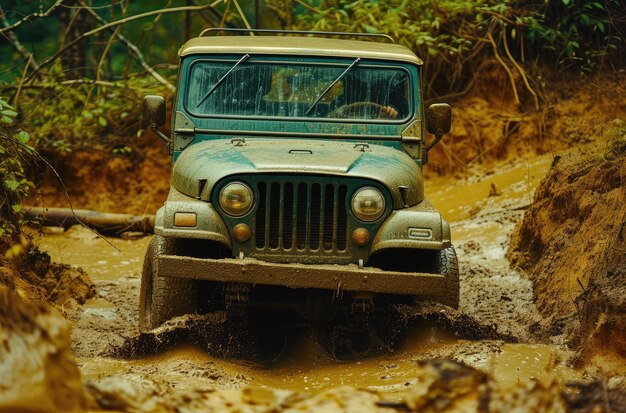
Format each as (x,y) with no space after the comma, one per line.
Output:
(372,100)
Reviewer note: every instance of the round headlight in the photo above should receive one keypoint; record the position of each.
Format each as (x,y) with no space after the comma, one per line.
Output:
(236,199)
(368,204)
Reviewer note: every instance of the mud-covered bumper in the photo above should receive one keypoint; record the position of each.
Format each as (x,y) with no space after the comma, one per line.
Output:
(331,277)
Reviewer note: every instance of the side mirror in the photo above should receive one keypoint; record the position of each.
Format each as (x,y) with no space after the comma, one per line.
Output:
(439,118)
(154,116)
(438,122)
(153,111)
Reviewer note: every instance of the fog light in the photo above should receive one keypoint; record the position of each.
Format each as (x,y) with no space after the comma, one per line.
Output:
(185,219)
(361,236)
(242,232)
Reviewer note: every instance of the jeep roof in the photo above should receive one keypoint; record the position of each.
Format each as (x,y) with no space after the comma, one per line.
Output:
(310,46)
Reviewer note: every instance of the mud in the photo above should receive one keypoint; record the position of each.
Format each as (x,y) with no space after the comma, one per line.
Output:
(488,127)
(190,355)
(442,386)
(35,278)
(572,242)
(38,372)
(137,183)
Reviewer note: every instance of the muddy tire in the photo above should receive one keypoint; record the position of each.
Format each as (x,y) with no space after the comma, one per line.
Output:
(162,298)
(448,265)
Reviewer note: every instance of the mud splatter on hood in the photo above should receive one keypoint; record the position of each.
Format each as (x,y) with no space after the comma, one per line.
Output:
(202,165)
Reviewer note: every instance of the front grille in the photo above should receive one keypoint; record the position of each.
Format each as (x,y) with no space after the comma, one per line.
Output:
(299,216)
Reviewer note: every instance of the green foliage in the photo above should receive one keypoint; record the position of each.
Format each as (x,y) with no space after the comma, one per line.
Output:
(575,33)
(68,117)
(444,33)
(15,150)
(452,36)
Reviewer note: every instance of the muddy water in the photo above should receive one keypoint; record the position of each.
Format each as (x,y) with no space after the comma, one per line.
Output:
(459,200)
(304,365)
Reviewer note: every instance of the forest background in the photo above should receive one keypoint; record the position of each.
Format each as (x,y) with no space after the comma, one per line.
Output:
(74,72)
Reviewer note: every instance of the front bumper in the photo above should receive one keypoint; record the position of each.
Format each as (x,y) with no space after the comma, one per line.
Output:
(330,277)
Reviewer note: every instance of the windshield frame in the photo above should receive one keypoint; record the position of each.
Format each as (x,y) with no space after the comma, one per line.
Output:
(305,61)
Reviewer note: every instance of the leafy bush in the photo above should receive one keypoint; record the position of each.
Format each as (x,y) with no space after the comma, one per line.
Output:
(14,186)
(64,117)
(446,34)
(575,33)
(455,37)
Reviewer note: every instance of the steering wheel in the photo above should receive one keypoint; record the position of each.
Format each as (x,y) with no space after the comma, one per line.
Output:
(364,110)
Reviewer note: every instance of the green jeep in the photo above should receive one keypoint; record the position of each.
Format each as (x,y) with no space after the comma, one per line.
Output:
(297,181)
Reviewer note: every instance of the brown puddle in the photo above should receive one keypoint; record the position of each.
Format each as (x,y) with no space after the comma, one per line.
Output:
(524,363)
(307,367)
(459,200)
(81,248)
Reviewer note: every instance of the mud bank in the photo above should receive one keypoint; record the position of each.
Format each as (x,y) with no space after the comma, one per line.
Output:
(95,179)
(35,278)
(572,243)
(38,372)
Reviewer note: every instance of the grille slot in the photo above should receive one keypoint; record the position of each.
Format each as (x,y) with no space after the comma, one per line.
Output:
(297,216)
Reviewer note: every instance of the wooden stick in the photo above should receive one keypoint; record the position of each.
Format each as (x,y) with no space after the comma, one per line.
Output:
(519,69)
(12,38)
(102,221)
(508,70)
(243,16)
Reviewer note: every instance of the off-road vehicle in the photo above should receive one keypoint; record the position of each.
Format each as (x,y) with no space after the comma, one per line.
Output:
(297,181)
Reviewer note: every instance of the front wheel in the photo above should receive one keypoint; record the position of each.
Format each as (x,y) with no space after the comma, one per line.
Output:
(447,264)
(162,298)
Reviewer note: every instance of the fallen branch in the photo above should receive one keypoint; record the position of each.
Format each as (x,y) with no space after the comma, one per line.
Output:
(67,195)
(104,222)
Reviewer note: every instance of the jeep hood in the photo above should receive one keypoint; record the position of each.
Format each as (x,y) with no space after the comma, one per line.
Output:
(203,164)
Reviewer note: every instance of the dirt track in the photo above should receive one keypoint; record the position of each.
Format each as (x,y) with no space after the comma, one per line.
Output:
(491,332)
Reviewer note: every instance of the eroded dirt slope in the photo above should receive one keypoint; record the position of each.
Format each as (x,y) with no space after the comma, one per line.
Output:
(572,243)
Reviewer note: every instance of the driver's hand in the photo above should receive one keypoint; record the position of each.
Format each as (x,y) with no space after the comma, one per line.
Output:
(388,112)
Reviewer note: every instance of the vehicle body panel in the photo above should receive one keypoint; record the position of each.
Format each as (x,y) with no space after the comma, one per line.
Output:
(338,278)
(203,164)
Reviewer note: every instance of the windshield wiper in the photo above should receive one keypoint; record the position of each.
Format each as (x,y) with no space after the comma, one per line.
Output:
(219,82)
(356,61)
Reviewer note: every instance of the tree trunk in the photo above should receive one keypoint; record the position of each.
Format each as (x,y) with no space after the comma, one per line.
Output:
(73,21)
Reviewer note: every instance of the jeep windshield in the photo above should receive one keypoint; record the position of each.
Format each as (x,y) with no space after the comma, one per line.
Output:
(257,88)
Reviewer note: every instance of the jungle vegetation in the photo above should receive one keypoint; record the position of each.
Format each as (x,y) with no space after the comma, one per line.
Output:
(74,71)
